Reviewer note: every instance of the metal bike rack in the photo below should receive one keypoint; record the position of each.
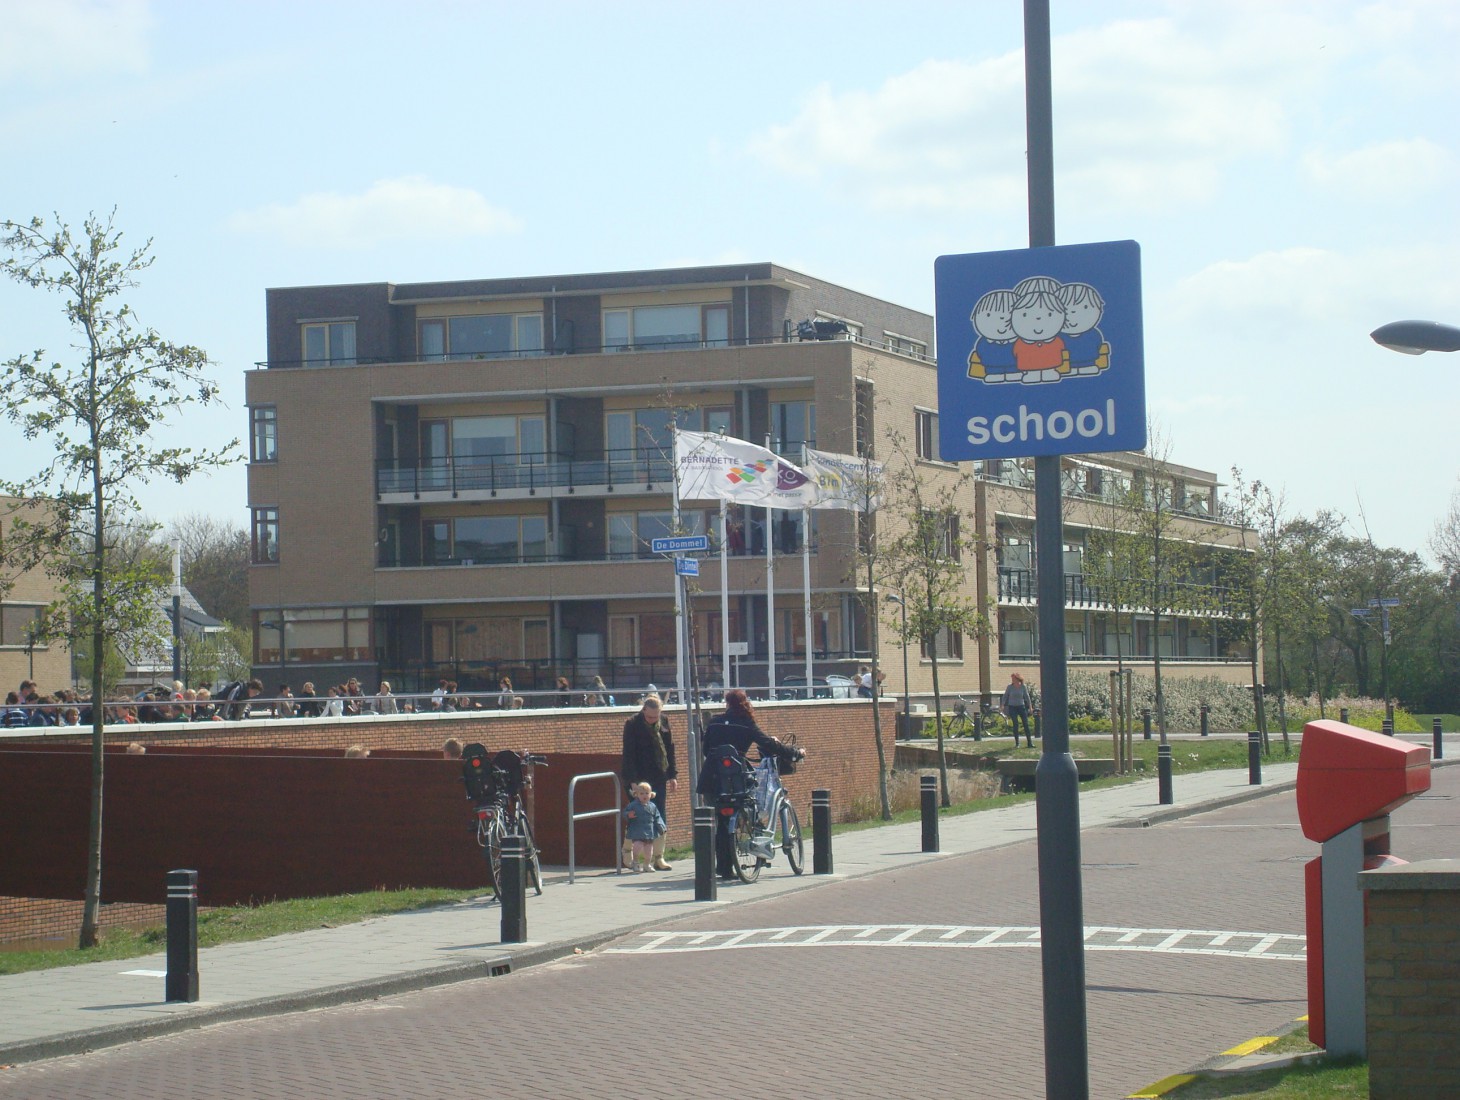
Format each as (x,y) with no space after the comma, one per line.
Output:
(573,819)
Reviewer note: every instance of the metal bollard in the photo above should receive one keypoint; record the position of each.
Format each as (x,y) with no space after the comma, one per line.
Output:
(978,725)
(705,881)
(1163,775)
(930,813)
(1206,720)
(821,862)
(1389,711)
(1387,726)
(1254,759)
(182,936)
(1038,718)
(1438,752)
(512,890)
(1146,721)
(1343,715)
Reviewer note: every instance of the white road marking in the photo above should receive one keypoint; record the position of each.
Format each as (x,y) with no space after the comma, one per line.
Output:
(1282,946)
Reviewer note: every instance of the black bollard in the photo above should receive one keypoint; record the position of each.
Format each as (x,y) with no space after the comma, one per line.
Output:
(1387,726)
(1038,716)
(1254,759)
(705,882)
(1206,720)
(1438,752)
(1343,715)
(1146,721)
(978,725)
(182,936)
(930,813)
(1389,712)
(821,862)
(512,890)
(1163,774)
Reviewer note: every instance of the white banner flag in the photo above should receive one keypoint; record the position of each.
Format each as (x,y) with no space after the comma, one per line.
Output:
(716,467)
(843,481)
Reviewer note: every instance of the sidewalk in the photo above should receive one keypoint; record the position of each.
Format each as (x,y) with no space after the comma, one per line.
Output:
(49,1013)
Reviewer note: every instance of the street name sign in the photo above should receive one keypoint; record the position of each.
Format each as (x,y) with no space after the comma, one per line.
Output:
(687,567)
(1040,351)
(680,544)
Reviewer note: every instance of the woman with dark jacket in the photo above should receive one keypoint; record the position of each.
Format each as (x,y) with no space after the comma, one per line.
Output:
(649,758)
(736,728)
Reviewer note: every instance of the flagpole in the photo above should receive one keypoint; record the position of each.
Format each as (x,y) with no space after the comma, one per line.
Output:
(676,602)
(725,593)
(770,594)
(806,578)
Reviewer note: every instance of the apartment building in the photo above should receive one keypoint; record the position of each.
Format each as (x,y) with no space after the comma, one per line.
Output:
(461,481)
(24,595)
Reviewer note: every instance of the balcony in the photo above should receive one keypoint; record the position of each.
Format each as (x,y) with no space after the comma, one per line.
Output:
(523,475)
(1017,586)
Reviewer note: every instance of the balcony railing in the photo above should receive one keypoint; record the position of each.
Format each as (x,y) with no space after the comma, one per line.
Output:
(389,559)
(1182,597)
(686,343)
(638,467)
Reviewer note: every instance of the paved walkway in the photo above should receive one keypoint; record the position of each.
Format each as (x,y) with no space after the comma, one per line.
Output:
(66,1011)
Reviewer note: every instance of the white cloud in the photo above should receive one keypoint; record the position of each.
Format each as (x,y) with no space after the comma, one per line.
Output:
(1149,113)
(1388,170)
(407,208)
(45,40)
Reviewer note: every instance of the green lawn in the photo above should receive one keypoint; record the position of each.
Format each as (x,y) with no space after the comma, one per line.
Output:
(1338,1080)
(237,923)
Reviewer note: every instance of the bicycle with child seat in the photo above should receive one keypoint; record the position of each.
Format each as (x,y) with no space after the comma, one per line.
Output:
(764,818)
(496,786)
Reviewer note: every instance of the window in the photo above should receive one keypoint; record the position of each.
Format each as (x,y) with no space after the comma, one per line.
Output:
(17,621)
(264,440)
(906,345)
(940,530)
(689,326)
(328,343)
(314,634)
(630,533)
(482,336)
(792,424)
(484,540)
(927,434)
(486,437)
(949,644)
(265,536)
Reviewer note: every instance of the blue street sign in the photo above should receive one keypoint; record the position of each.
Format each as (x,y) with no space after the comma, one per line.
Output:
(680,544)
(1040,351)
(687,567)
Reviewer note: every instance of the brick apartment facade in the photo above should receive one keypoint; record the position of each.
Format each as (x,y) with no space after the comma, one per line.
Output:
(460,480)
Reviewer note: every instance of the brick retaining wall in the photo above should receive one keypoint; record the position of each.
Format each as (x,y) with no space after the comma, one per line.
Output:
(1412,979)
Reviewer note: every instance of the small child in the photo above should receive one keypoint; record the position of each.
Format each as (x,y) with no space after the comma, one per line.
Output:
(642,823)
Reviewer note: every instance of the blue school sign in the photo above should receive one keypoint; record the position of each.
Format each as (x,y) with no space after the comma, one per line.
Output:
(1040,351)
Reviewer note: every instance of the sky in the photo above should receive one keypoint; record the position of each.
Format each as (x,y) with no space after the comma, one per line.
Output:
(1289,169)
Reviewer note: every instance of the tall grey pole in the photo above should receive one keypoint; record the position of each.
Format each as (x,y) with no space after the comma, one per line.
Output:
(1057,805)
(176,610)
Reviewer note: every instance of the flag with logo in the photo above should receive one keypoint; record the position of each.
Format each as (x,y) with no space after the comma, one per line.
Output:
(844,482)
(709,466)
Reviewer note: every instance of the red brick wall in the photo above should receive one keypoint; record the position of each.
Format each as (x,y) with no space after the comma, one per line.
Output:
(206,792)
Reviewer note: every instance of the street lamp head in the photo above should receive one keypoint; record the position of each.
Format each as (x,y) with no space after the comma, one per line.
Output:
(891,597)
(1417,337)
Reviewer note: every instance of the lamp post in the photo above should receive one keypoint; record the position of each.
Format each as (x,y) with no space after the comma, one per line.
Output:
(1417,337)
(893,597)
(176,610)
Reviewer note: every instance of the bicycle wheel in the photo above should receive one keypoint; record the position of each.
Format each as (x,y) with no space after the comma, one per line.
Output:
(494,852)
(792,843)
(534,867)
(747,866)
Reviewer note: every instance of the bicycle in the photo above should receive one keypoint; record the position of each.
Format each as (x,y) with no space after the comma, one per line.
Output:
(961,724)
(496,786)
(764,818)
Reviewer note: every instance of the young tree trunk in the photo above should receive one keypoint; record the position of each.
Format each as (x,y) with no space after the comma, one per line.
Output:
(91,907)
(944,800)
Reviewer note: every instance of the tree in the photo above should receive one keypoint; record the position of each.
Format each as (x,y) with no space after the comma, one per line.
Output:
(868,491)
(925,556)
(97,416)
(215,564)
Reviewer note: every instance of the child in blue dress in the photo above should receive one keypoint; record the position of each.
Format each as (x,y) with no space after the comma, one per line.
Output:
(642,824)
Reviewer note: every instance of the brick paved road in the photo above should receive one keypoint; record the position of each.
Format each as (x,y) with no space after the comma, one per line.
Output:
(834,1020)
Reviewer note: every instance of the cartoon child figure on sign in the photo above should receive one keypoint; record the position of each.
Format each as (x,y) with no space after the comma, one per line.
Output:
(992,358)
(1088,351)
(1039,350)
